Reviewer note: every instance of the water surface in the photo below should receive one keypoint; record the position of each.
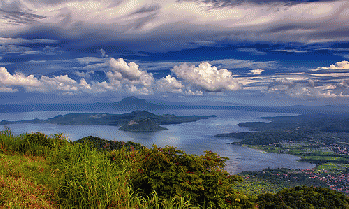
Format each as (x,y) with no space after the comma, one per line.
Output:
(193,138)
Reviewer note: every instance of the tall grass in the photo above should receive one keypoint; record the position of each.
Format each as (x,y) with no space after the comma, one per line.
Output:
(67,175)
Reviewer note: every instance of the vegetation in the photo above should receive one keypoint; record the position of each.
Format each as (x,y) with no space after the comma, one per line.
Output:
(40,171)
(321,139)
(143,125)
(303,197)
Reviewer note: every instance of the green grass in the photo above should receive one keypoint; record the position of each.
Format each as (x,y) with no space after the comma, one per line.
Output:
(24,182)
(40,171)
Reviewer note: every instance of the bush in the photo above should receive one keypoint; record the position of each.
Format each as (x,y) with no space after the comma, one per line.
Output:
(172,173)
(39,143)
(304,197)
(106,145)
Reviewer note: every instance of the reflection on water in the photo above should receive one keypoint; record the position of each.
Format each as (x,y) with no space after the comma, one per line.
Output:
(193,138)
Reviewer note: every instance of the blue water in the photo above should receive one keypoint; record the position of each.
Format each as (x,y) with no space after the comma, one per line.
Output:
(193,138)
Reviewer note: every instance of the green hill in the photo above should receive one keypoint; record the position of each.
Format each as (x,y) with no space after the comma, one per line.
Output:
(142,125)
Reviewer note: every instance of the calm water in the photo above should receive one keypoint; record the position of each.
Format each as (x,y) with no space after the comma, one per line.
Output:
(193,137)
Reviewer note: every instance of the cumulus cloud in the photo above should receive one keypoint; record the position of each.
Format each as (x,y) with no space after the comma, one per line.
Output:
(344,65)
(84,74)
(306,86)
(129,77)
(169,84)
(18,79)
(123,77)
(301,88)
(60,84)
(206,77)
(126,78)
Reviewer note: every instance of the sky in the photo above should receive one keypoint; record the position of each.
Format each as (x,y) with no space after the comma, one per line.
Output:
(214,52)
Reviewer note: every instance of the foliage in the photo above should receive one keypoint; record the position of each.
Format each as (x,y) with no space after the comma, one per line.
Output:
(173,173)
(49,172)
(303,197)
(71,175)
(107,145)
(37,144)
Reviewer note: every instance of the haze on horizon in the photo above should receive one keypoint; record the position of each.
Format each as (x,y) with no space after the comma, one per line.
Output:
(222,52)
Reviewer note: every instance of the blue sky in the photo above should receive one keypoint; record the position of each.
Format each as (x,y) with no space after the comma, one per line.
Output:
(242,52)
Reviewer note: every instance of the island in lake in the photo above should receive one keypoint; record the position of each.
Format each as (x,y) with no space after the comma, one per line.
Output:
(136,121)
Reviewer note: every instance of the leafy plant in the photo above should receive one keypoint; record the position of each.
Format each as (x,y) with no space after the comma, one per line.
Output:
(173,173)
(304,197)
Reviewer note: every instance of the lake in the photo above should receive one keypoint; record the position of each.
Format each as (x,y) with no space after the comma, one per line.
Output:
(193,138)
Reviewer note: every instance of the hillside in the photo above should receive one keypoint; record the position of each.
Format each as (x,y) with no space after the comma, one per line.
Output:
(49,172)
(142,125)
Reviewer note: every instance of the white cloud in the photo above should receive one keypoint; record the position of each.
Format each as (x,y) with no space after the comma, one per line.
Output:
(137,19)
(344,65)
(331,75)
(18,79)
(206,77)
(57,83)
(128,72)
(128,77)
(169,84)
(60,84)
(256,71)
(84,74)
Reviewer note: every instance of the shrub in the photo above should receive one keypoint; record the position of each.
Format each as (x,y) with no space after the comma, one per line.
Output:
(29,143)
(38,143)
(107,145)
(304,197)
(173,173)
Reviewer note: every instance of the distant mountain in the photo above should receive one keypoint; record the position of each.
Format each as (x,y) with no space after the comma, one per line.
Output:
(134,103)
